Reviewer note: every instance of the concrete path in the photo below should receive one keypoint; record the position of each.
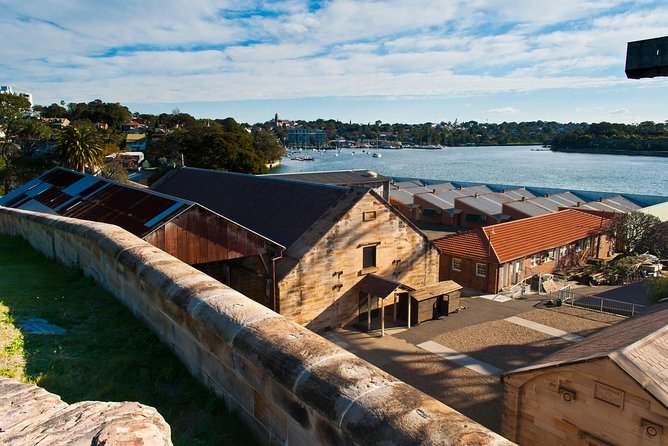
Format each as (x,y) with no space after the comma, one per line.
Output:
(555,332)
(459,358)
(494,297)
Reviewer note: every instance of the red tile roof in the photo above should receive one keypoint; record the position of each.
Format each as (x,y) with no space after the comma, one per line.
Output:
(521,238)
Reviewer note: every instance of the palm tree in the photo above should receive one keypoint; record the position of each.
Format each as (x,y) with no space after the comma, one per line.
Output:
(80,147)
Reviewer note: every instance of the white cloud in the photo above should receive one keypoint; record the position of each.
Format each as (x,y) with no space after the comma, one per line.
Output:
(206,50)
(503,111)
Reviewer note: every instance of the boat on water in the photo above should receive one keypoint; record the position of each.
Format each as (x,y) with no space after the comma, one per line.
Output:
(376,155)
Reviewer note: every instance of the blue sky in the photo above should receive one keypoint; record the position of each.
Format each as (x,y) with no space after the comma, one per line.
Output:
(394,61)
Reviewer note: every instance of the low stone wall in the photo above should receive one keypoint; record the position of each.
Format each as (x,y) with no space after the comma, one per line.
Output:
(290,385)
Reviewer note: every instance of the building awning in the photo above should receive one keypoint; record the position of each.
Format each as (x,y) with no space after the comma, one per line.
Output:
(438,289)
(378,286)
(473,217)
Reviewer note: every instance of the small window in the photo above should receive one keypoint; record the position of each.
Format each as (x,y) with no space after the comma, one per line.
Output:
(481,269)
(579,245)
(549,255)
(369,256)
(535,260)
(563,251)
(456,264)
(369,215)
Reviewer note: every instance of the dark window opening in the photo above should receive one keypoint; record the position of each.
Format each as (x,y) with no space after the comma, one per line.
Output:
(369,256)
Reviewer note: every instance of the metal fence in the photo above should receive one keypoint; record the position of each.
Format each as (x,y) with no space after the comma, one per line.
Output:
(596,303)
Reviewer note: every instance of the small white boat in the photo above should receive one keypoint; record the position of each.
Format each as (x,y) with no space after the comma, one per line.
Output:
(376,155)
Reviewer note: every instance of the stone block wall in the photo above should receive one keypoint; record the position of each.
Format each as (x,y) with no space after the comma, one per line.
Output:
(321,293)
(288,384)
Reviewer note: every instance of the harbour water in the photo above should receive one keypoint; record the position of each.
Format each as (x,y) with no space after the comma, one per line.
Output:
(511,165)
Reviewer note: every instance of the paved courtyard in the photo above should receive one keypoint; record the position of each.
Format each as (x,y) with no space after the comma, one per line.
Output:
(459,358)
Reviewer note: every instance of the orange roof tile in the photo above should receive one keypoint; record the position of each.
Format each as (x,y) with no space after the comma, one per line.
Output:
(521,238)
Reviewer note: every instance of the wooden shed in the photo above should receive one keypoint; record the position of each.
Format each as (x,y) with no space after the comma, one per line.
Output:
(430,302)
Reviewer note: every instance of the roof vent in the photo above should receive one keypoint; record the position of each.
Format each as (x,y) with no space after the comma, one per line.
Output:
(475,195)
(524,198)
(577,204)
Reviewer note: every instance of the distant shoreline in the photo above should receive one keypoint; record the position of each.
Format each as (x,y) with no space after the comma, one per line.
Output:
(611,151)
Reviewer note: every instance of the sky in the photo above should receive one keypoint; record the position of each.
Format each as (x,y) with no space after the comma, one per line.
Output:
(360,61)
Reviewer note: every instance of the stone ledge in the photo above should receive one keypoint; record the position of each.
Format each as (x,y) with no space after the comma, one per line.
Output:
(30,415)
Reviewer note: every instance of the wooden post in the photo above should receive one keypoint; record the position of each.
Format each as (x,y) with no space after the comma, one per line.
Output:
(395,306)
(382,317)
(409,310)
(368,312)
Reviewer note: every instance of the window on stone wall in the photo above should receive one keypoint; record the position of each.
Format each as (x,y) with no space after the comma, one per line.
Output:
(456,264)
(549,255)
(481,269)
(563,251)
(369,215)
(369,256)
(579,245)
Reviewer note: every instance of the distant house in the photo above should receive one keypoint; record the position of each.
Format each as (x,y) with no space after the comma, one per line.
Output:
(306,137)
(609,389)
(56,123)
(346,249)
(136,142)
(184,229)
(496,257)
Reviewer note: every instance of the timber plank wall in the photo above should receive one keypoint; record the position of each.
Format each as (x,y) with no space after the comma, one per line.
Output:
(288,384)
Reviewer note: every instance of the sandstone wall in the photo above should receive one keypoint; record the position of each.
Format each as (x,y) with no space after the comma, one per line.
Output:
(321,293)
(290,385)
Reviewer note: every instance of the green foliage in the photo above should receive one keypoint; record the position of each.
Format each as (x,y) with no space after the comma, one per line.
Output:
(657,288)
(606,136)
(106,354)
(265,142)
(219,145)
(79,147)
(113,114)
(114,170)
(52,111)
(639,233)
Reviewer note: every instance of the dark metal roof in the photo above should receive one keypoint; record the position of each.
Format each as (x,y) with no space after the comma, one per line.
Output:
(73,194)
(335,177)
(378,286)
(281,210)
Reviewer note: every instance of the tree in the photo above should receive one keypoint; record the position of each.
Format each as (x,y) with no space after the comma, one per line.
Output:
(80,147)
(657,289)
(114,170)
(218,145)
(265,142)
(12,119)
(638,233)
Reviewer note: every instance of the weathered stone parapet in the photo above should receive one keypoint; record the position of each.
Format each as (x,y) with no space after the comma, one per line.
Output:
(30,415)
(290,385)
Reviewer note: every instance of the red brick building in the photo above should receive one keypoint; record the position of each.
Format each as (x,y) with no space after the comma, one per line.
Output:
(496,257)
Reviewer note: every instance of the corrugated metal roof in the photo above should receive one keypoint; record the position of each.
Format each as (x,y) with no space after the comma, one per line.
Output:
(435,201)
(73,194)
(440,186)
(489,204)
(639,345)
(417,190)
(378,286)
(281,210)
(401,196)
(407,183)
(335,177)
(449,196)
(516,239)
(612,204)
(528,208)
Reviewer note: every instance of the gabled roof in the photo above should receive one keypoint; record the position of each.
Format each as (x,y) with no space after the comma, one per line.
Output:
(281,210)
(638,345)
(73,194)
(516,239)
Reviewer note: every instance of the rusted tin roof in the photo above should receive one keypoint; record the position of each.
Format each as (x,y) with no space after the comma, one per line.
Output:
(87,197)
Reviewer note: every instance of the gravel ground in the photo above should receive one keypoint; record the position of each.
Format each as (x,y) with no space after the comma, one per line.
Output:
(502,343)
(583,326)
(581,313)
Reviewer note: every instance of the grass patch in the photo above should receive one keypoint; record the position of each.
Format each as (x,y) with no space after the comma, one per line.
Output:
(106,354)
